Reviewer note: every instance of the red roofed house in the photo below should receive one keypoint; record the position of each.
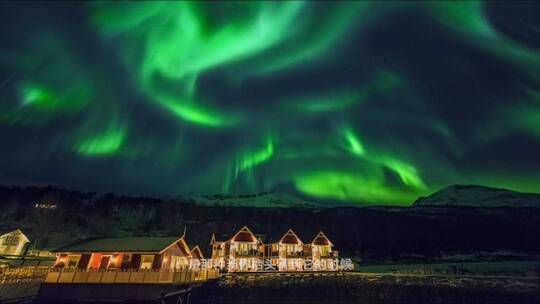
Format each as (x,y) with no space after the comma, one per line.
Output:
(126,253)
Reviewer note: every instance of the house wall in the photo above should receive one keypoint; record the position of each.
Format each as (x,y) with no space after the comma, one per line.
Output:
(321,251)
(84,261)
(175,257)
(117,261)
(122,261)
(220,250)
(95,259)
(157,263)
(60,260)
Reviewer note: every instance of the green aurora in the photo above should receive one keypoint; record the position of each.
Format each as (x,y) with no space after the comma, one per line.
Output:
(340,102)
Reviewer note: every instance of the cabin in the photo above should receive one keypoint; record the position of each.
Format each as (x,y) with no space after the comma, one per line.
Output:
(322,253)
(287,254)
(13,243)
(125,253)
(242,252)
(246,252)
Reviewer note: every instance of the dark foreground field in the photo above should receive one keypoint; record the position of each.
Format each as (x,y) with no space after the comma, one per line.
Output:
(363,288)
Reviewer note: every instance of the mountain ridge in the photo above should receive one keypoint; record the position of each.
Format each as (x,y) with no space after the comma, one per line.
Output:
(478,196)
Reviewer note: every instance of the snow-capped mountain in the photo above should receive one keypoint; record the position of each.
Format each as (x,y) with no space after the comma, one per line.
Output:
(478,196)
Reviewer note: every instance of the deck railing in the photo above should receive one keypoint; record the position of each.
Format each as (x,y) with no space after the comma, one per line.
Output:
(132,276)
(24,272)
(247,253)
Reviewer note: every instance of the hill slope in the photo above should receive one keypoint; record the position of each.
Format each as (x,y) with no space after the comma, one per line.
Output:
(260,200)
(375,233)
(478,196)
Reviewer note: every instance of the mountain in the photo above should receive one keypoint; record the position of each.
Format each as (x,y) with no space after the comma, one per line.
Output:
(478,196)
(372,233)
(260,200)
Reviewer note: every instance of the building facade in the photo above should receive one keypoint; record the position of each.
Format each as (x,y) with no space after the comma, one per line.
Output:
(126,253)
(245,252)
(13,243)
(241,252)
(197,258)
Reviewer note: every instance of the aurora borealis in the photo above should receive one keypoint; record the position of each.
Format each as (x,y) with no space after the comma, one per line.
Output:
(357,102)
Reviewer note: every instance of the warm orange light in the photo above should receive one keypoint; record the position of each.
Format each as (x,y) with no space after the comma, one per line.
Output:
(113,260)
(61,261)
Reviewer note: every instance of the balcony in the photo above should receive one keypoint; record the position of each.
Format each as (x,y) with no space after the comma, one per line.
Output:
(327,255)
(271,254)
(294,254)
(246,253)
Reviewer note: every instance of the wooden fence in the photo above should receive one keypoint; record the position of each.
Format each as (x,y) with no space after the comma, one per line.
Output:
(128,276)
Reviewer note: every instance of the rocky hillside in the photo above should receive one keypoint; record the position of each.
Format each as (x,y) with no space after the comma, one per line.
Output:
(53,217)
(479,196)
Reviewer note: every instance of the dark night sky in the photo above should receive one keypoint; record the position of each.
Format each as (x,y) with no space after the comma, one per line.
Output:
(355,102)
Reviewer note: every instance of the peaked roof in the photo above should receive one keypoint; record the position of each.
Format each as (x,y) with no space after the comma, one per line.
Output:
(125,244)
(321,239)
(223,238)
(290,238)
(16,231)
(182,246)
(197,253)
(244,235)
(214,239)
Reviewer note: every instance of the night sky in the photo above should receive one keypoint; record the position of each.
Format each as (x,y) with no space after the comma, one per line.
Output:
(353,102)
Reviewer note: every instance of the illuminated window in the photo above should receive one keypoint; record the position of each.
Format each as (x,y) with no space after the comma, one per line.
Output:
(73,260)
(146,261)
(11,240)
(244,248)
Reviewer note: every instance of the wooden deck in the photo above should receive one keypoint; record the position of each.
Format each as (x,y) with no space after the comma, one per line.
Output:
(137,276)
(68,285)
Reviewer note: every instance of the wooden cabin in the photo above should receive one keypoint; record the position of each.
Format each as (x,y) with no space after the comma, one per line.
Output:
(246,252)
(291,252)
(13,243)
(286,254)
(323,253)
(126,253)
(242,252)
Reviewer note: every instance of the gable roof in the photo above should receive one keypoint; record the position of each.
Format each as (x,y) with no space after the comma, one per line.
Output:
(220,238)
(214,239)
(183,247)
(290,238)
(321,239)
(125,244)
(197,253)
(17,231)
(244,235)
